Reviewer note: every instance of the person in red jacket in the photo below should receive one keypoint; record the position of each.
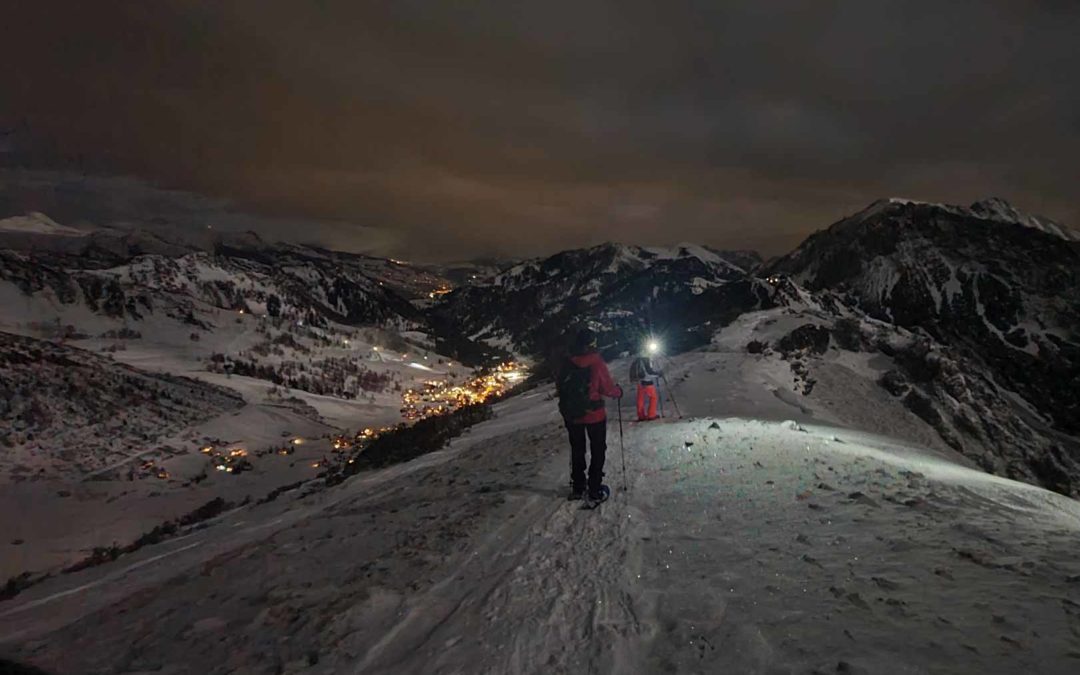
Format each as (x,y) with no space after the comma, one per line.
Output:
(582,383)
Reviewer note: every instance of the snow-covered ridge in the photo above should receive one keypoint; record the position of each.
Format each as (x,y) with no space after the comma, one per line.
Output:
(139,277)
(978,280)
(994,209)
(615,285)
(999,210)
(619,258)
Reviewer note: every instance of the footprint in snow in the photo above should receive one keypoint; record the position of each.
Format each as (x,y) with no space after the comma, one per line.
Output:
(856,599)
(885,583)
(1010,641)
(860,498)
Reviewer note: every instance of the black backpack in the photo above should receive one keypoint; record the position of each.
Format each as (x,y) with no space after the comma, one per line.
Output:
(637,370)
(572,386)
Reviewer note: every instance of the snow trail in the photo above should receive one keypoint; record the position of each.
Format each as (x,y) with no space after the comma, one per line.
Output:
(548,588)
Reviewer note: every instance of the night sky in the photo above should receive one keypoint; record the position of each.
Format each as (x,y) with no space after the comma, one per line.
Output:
(471,128)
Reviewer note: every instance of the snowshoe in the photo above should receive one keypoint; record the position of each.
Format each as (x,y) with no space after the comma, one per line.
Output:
(594,500)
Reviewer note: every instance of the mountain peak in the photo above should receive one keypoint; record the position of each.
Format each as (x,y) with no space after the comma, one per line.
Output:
(993,209)
(999,210)
(996,208)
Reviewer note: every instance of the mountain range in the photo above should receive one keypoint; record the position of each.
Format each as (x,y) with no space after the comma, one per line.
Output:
(859,430)
(988,298)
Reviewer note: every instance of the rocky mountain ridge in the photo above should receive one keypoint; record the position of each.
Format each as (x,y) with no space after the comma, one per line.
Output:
(1004,293)
(623,289)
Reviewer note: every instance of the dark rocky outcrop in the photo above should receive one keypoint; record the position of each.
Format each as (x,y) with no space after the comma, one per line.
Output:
(806,338)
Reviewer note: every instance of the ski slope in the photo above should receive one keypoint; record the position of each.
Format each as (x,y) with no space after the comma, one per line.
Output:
(784,542)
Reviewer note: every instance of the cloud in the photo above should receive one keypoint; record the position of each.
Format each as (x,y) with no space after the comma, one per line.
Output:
(520,128)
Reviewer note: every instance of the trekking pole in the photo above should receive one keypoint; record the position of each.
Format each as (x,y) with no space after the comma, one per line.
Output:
(672,395)
(622,448)
(571,479)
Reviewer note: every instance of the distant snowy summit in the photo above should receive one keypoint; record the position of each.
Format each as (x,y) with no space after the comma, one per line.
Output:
(993,209)
(999,210)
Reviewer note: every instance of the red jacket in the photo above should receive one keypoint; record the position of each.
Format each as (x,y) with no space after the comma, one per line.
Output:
(600,384)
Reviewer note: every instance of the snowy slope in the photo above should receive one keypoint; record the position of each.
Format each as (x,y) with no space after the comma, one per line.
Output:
(119,365)
(825,355)
(293,317)
(742,545)
(66,411)
(133,288)
(139,269)
(999,210)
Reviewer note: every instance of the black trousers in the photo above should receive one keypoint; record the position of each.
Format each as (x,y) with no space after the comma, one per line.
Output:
(597,433)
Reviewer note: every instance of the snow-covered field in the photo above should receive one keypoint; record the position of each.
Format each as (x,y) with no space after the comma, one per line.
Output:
(769,533)
(106,433)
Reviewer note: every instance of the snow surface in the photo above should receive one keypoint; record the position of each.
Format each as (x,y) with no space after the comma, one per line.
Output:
(59,511)
(760,536)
